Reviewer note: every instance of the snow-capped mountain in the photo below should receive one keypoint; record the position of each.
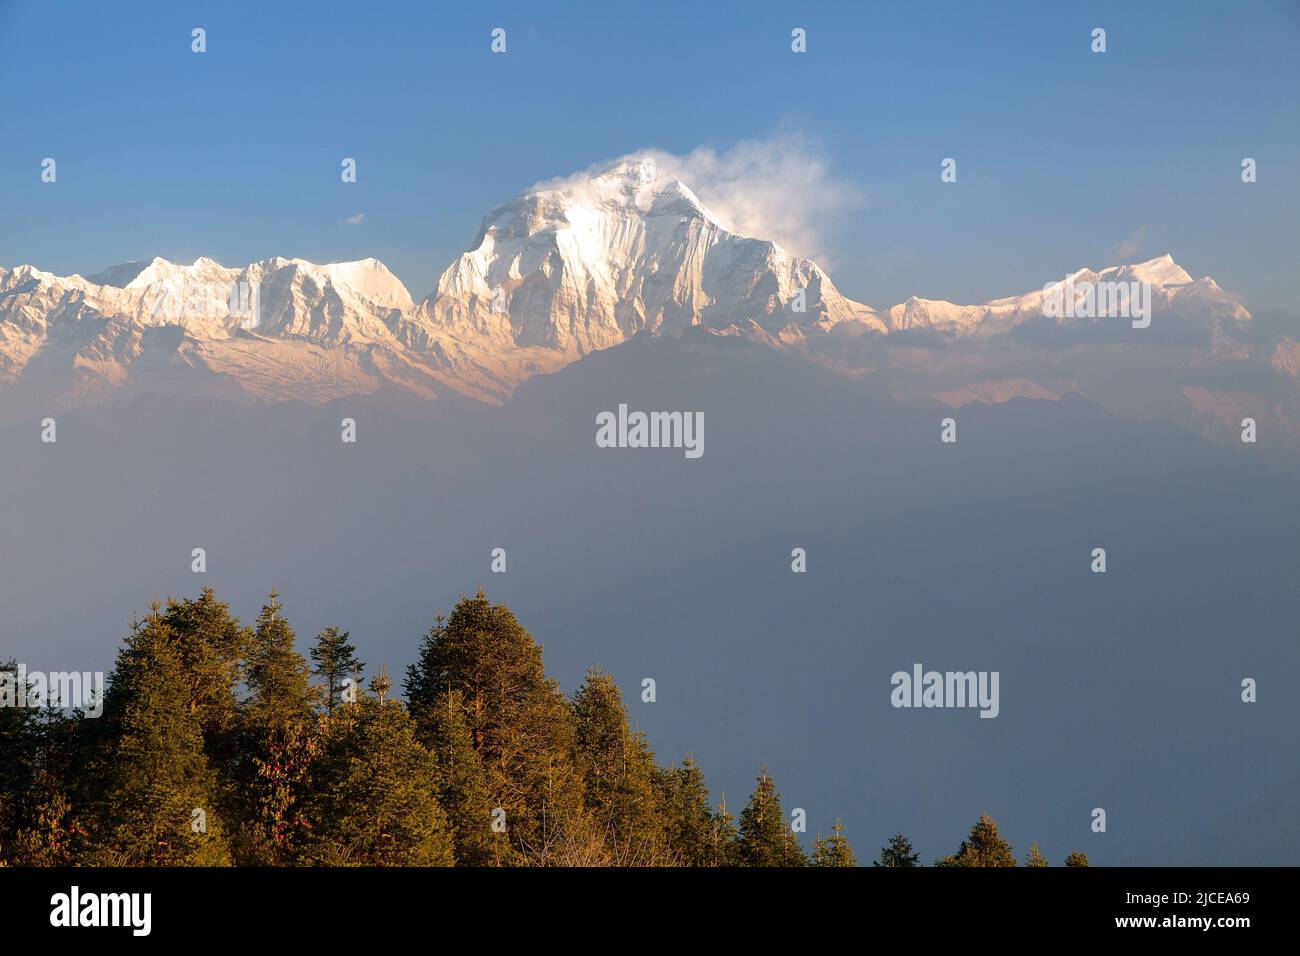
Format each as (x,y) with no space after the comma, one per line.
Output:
(586,266)
(1173,291)
(276,329)
(560,271)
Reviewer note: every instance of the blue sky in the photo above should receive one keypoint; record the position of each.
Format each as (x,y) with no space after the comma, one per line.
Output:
(1065,158)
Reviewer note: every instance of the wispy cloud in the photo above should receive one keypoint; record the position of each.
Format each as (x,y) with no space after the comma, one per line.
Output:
(780,188)
(1130,247)
(356,220)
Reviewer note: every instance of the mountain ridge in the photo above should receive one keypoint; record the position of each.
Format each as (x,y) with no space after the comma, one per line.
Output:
(563,269)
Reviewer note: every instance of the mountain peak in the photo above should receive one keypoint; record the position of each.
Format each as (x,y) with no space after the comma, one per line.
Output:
(633,186)
(368,276)
(634,172)
(1161,270)
(590,261)
(120,275)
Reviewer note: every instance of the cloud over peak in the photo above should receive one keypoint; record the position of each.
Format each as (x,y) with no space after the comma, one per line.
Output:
(779,188)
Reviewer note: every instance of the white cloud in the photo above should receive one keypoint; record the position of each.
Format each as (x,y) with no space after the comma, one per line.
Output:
(1130,247)
(780,188)
(356,220)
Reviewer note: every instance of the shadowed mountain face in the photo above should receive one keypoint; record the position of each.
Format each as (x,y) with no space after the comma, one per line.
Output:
(1118,690)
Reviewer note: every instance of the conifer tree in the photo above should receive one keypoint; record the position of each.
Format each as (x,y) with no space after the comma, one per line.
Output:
(461,784)
(765,835)
(150,773)
(374,801)
(370,781)
(833,850)
(428,680)
(336,660)
(211,644)
(20,746)
(275,735)
(982,848)
(687,821)
(898,853)
(520,723)
(276,674)
(724,838)
(618,773)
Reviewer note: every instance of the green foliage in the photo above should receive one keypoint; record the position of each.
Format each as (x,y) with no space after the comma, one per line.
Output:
(374,799)
(211,645)
(521,726)
(40,751)
(179,771)
(1034,857)
(151,773)
(1076,858)
(983,847)
(276,674)
(618,774)
(833,850)
(336,660)
(55,837)
(279,825)
(460,782)
(724,838)
(765,835)
(898,852)
(689,828)
(21,745)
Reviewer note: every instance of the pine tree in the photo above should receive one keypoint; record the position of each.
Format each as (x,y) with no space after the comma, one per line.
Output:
(275,736)
(982,848)
(20,757)
(724,838)
(428,680)
(520,724)
(211,644)
(276,674)
(461,784)
(374,801)
(1076,858)
(834,850)
(684,807)
(898,852)
(765,835)
(151,774)
(336,660)
(1034,857)
(618,773)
